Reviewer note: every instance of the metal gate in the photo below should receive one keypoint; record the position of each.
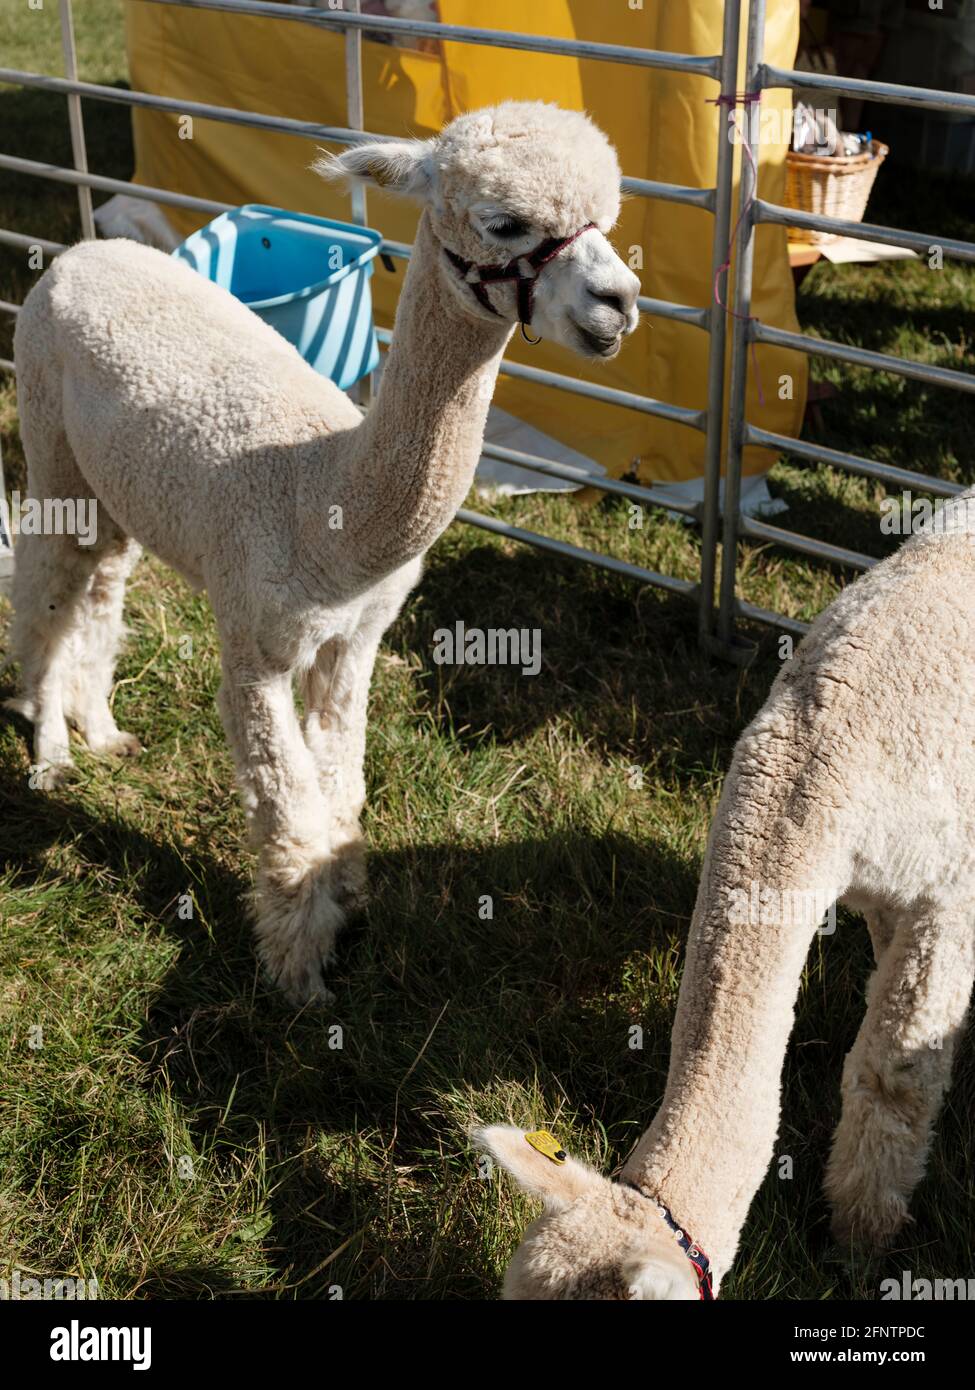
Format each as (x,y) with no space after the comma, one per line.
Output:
(717,614)
(759,77)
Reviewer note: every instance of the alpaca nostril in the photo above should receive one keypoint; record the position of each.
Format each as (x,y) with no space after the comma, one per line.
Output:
(612,301)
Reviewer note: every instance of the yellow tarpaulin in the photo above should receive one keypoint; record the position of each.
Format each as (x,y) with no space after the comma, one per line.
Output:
(661,123)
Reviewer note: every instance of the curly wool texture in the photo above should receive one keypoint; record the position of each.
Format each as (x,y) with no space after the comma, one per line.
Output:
(855,782)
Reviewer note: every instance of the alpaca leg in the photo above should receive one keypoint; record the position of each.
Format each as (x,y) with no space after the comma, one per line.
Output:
(297,915)
(68,624)
(897,1072)
(95,641)
(50,578)
(336,696)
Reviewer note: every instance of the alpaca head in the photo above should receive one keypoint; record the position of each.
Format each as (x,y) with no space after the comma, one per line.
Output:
(595,1239)
(499,183)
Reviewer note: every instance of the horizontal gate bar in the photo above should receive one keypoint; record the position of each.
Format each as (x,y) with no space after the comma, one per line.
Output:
(678,414)
(658,308)
(107,185)
(753,613)
(803,545)
(923,98)
(680,313)
(684,587)
(178,106)
(461,33)
(27,243)
(862,231)
(851,463)
(861,357)
(634,491)
(670,192)
(284,125)
(535,464)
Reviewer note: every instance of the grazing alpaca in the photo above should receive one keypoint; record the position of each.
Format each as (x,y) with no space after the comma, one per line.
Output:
(856,782)
(205,437)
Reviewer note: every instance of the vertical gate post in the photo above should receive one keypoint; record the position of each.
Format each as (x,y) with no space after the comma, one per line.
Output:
(76,120)
(355,111)
(355,119)
(741,335)
(717,324)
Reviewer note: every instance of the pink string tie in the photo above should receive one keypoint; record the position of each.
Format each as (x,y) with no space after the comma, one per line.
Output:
(730,100)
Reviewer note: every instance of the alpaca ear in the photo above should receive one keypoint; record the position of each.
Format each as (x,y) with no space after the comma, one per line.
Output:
(557,1184)
(399,166)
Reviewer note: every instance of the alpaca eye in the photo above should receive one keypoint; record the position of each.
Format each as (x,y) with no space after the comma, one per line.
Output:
(509,228)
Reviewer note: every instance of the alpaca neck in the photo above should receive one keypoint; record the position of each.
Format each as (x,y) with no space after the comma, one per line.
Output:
(414,455)
(710,1145)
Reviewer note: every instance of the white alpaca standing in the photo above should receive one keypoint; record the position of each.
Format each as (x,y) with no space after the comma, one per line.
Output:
(855,782)
(206,438)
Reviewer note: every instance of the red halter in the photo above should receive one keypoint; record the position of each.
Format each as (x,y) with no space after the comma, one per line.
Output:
(536,261)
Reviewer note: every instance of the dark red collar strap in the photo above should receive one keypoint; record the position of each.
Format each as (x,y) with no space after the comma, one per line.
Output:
(523,270)
(697,1257)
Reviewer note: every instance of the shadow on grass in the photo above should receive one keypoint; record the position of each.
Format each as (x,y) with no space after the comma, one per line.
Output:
(937,204)
(877,321)
(815,511)
(620,664)
(430,998)
(432,1001)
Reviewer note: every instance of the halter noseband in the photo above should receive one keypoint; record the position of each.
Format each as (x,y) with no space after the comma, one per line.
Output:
(535,261)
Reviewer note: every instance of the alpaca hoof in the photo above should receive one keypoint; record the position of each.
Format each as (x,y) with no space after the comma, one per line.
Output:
(296,966)
(102,737)
(296,931)
(121,745)
(873,1226)
(47,777)
(308,991)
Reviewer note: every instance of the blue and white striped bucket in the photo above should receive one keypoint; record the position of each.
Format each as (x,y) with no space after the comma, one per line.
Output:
(306,276)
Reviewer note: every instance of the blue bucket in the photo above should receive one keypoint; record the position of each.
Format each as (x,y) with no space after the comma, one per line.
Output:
(305,276)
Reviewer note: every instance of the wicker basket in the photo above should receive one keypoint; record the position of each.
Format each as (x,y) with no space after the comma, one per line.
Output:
(831,185)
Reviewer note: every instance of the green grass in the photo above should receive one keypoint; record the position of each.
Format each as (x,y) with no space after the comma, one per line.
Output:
(313,1165)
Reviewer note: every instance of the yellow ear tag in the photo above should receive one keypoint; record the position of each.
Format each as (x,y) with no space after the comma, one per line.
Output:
(547,1144)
